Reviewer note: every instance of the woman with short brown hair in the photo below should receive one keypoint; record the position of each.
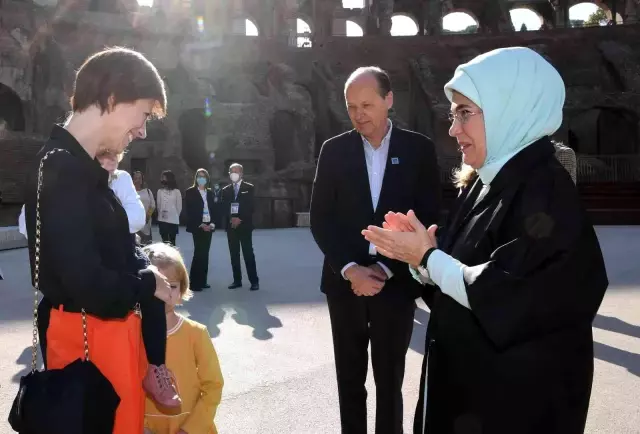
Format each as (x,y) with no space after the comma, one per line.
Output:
(86,259)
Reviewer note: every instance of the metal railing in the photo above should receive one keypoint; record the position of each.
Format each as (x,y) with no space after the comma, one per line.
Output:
(592,169)
(608,168)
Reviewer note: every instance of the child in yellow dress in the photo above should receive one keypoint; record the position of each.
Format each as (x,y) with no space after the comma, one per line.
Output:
(190,356)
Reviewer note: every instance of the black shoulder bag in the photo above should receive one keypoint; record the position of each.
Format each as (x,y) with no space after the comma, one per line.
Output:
(77,399)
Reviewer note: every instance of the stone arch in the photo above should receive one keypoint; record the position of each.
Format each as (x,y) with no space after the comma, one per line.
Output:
(400,24)
(605,131)
(283,128)
(351,25)
(353,28)
(459,11)
(525,10)
(304,30)
(597,3)
(353,4)
(245,26)
(12,116)
(192,125)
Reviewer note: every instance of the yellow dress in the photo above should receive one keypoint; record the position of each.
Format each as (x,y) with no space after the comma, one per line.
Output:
(194,362)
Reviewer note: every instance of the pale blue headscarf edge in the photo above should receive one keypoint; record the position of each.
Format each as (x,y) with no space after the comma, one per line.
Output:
(463,83)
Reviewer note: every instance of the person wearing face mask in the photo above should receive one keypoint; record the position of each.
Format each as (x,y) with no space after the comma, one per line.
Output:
(202,217)
(516,277)
(169,200)
(237,209)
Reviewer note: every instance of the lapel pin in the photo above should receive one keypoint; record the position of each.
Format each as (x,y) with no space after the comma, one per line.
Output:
(395,160)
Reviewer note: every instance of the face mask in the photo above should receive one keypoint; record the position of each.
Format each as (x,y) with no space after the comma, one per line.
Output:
(216,187)
(235,177)
(163,182)
(201,181)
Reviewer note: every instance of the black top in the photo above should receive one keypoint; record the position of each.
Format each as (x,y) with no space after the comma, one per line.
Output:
(88,258)
(245,201)
(520,360)
(194,206)
(341,204)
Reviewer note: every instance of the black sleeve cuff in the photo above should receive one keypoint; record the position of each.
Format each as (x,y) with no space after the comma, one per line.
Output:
(147,284)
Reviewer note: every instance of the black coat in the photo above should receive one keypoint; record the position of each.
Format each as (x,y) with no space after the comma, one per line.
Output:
(245,198)
(341,205)
(521,360)
(194,206)
(88,258)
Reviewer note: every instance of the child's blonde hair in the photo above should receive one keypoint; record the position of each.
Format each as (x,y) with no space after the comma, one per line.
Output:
(162,256)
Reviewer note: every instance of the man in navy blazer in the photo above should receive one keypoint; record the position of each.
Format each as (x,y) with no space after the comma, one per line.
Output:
(361,175)
(237,209)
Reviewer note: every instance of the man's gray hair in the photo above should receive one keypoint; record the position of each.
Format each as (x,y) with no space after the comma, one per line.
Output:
(381,76)
(234,165)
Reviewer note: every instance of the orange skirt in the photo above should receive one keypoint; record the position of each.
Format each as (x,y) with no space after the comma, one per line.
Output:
(115,347)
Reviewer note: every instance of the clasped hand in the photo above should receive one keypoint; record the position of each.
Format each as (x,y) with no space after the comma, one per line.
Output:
(402,237)
(366,281)
(235,222)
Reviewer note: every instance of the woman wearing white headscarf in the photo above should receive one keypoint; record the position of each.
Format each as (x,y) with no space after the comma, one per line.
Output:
(517,276)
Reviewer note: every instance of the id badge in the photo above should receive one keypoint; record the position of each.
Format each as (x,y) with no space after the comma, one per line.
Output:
(235,208)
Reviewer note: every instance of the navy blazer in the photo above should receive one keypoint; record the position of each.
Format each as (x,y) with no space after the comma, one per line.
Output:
(194,206)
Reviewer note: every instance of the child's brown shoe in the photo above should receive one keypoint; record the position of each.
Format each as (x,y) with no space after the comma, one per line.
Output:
(157,383)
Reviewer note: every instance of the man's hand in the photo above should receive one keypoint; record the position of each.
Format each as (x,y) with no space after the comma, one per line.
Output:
(364,280)
(235,222)
(379,272)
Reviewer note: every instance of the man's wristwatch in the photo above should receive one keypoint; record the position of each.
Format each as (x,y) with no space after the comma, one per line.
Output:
(422,267)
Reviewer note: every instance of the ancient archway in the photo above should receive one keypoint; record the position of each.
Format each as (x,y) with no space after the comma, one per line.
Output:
(605,131)
(303,33)
(11,110)
(245,27)
(283,128)
(403,25)
(459,22)
(353,29)
(588,14)
(193,132)
(525,19)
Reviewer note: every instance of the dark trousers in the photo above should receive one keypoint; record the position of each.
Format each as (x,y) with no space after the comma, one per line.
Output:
(200,261)
(386,322)
(154,329)
(242,237)
(168,232)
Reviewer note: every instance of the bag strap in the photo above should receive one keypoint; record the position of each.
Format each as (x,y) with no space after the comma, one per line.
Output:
(36,274)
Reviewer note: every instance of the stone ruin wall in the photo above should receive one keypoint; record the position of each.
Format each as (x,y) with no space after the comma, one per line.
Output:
(271,106)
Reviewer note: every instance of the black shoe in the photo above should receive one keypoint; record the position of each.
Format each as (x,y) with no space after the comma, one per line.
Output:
(198,289)
(254,287)
(235,285)
(206,286)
